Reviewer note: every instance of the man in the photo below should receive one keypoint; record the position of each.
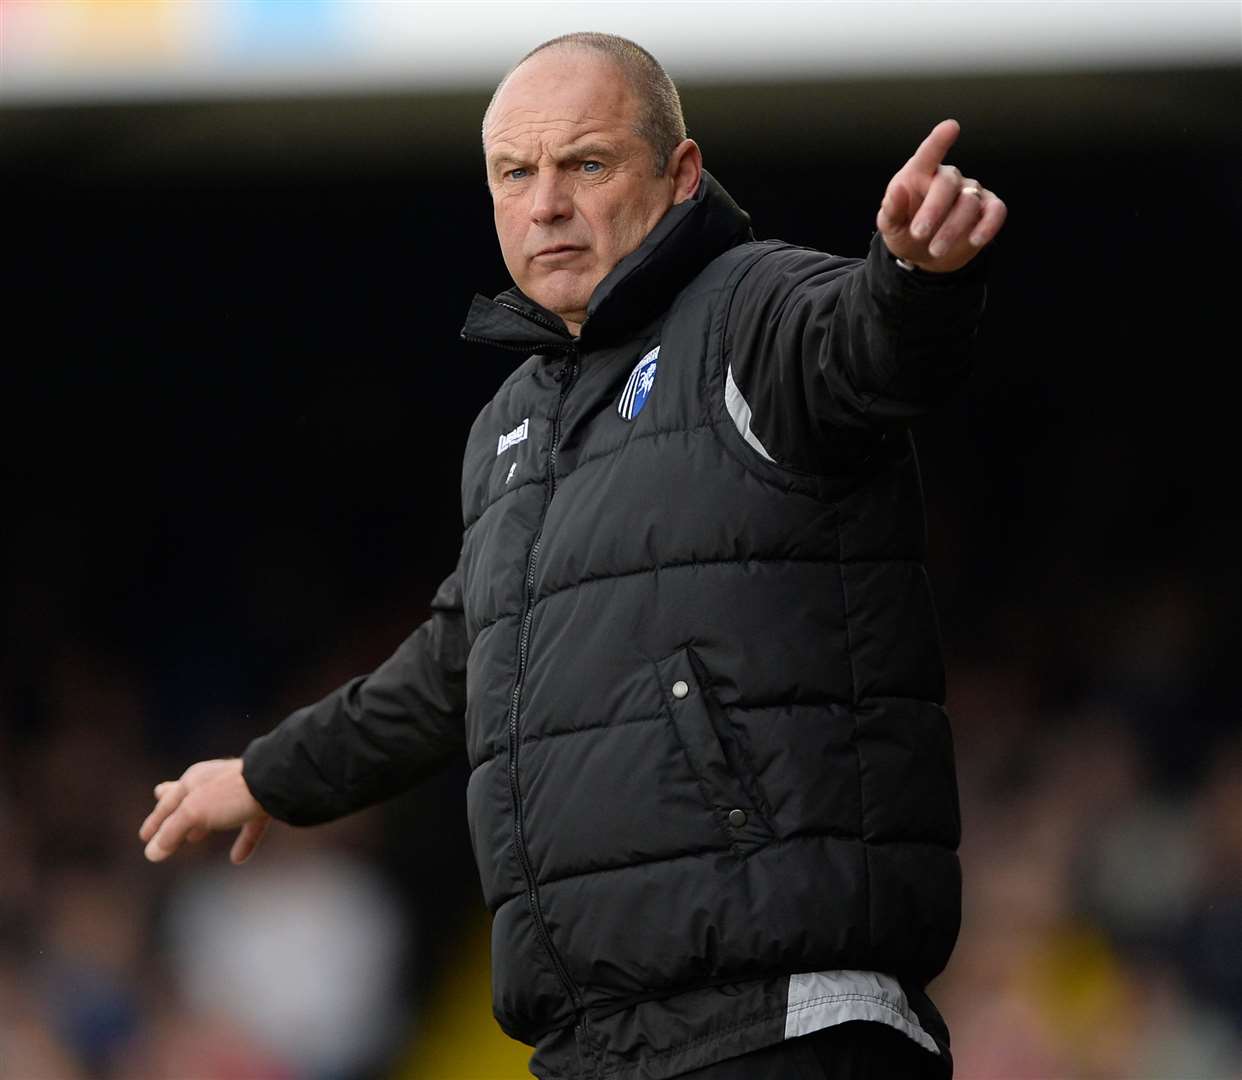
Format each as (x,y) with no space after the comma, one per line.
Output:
(712,798)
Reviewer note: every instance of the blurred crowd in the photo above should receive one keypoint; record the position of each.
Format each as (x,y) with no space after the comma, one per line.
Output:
(298,966)
(1102,923)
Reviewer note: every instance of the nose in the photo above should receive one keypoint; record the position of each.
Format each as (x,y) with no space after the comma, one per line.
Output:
(551,201)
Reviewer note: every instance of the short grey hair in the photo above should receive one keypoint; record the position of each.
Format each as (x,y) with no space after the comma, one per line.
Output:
(660,121)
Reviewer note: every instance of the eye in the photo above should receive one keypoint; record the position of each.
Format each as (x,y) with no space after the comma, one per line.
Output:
(515,174)
(592,166)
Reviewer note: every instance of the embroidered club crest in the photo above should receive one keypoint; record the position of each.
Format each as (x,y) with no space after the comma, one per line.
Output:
(638,386)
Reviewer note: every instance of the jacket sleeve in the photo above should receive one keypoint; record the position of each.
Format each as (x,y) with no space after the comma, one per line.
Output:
(825,352)
(374,736)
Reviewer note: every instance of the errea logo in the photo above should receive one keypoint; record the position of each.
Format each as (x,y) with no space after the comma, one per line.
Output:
(517,435)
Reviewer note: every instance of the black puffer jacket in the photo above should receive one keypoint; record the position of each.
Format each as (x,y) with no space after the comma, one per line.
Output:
(712,797)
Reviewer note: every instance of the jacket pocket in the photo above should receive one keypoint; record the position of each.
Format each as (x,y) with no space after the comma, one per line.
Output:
(729,788)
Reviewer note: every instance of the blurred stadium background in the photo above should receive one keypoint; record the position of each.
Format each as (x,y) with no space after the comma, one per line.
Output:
(239,240)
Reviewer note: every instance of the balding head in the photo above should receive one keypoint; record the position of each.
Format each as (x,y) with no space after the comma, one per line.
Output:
(658,117)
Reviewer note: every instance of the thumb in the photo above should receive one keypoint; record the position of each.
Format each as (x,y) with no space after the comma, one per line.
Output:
(248,839)
(894,214)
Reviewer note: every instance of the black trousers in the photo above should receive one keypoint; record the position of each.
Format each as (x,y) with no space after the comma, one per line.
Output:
(858,1050)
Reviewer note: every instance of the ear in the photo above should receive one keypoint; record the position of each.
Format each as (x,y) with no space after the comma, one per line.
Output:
(685,169)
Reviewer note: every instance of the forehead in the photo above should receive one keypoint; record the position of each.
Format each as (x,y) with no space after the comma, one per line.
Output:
(561,94)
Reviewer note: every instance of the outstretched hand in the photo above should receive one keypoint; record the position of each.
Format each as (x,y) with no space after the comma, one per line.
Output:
(210,795)
(932,216)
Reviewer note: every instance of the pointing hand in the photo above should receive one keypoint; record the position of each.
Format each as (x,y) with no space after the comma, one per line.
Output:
(932,216)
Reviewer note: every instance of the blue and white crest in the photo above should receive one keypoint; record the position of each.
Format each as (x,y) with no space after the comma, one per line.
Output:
(638,386)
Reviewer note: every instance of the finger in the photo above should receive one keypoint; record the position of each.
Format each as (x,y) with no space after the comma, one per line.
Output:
(931,151)
(994,214)
(170,835)
(248,839)
(894,213)
(939,200)
(195,835)
(961,219)
(170,798)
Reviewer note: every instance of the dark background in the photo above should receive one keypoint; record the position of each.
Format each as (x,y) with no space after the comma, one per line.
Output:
(234,401)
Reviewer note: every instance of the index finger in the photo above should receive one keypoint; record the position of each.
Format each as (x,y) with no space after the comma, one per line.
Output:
(170,795)
(928,157)
(170,835)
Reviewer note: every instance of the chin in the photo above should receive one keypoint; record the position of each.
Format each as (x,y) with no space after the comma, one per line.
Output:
(564,296)
(562,304)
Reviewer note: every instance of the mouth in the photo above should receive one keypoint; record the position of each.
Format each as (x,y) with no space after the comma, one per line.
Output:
(555,251)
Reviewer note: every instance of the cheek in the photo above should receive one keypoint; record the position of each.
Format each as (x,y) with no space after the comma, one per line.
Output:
(629,225)
(510,235)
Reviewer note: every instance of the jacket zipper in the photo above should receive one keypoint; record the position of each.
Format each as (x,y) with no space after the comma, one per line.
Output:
(533,316)
(566,345)
(519,836)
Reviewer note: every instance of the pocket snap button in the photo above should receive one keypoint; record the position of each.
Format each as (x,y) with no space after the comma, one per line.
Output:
(737,818)
(680,688)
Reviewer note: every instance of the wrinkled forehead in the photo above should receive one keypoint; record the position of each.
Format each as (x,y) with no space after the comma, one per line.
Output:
(561,92)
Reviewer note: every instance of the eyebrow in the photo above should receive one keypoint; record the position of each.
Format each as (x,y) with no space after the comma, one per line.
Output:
(577,151)
(505,158)
(573,152)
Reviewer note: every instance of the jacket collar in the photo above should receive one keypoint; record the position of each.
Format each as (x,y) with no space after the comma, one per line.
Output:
(685,240)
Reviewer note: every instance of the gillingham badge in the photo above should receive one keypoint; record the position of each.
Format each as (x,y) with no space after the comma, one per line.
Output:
(638,386)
